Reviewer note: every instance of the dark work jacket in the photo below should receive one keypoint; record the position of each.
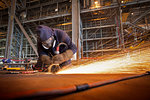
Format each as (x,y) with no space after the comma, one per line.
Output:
(60,37)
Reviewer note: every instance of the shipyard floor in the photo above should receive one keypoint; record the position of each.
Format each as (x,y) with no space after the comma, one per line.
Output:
(116,67)
(16,85)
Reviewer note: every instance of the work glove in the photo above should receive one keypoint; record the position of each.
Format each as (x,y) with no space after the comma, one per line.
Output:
(39,63)
(46,59)
(60,58)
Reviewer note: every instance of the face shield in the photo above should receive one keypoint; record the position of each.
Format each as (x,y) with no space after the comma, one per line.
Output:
(48,43)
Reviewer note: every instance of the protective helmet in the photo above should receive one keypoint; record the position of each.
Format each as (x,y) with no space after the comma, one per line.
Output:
(46,35)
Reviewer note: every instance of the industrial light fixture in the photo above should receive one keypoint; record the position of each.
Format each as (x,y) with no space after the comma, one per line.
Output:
(56,9)
(23,15)
(122,1)
(95,4)
(132,13)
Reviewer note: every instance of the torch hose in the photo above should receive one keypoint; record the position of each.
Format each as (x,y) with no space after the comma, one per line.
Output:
(76,88)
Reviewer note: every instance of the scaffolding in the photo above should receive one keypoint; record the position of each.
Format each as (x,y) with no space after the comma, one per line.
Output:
(107,26)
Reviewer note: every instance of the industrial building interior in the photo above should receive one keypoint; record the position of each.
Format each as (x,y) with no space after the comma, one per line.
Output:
(112,61)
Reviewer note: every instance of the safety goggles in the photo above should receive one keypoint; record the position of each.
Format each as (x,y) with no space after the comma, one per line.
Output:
(48,43)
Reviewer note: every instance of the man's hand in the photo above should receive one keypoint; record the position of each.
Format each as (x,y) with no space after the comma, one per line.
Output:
(60,58)
(46,59)
(57,59)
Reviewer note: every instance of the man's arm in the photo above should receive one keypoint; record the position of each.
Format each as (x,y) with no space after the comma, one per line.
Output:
(43,57)
(60,58)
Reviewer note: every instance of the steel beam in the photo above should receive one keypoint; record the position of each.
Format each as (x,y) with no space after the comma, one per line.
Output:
(100,38)
(47,17)
(26,35)
(103,50)
(45,4)
(115,6)
(83,11)
(10,29)
(141,16)
(98,27)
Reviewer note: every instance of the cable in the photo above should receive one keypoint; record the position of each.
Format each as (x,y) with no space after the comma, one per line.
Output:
(67,90)
(57,48)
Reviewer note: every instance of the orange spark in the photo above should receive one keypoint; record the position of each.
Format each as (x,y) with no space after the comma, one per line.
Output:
(117,65)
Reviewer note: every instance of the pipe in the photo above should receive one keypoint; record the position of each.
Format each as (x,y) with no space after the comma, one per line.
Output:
(22,72)
(18,72)
(15,59)
(76,88)
(57,48)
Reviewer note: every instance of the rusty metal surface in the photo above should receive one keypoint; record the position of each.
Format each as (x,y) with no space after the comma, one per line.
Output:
(131,89)
(124,65)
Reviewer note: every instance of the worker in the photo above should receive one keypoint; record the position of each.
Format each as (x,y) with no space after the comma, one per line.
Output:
(48,41)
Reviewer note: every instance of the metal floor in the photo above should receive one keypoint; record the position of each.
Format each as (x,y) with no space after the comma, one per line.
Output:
(16,85)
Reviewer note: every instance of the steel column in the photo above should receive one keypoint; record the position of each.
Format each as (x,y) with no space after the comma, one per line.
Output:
(121,28)
(21,46)
(10,29)
(121,24)
(87,47)
(76,26)
(117,31)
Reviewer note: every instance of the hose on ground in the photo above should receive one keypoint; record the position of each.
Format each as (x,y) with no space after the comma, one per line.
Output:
(76,88)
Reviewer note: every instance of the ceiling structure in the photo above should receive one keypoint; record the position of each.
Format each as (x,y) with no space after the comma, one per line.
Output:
(101,27)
